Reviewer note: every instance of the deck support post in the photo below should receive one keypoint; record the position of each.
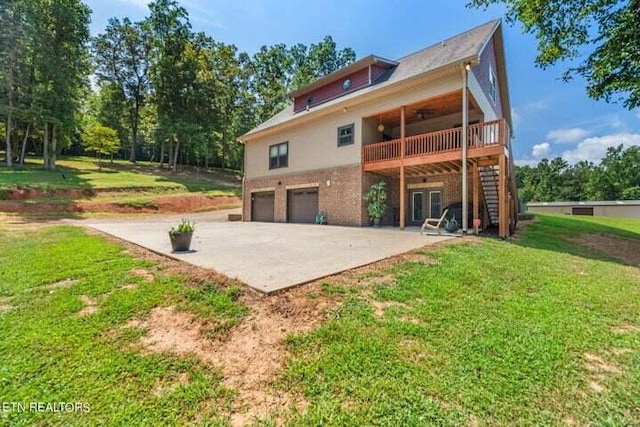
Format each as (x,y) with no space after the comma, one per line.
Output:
(403,185)
(465,175)
(476,196)
(503,209)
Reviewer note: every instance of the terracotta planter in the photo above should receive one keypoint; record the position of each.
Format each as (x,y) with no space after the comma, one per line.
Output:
(180,242)
(376,222)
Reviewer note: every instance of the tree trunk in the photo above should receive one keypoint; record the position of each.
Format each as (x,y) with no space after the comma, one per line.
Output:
(161,154)
(170,162)
(23,150)
(99,162)
(176,151)
(134,132)
(54,147)
(45,146)
(8,152)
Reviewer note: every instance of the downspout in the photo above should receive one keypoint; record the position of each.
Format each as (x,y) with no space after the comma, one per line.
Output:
(465,172)
(244,179)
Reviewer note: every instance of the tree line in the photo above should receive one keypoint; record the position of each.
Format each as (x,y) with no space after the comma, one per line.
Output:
(617,177)
(153,90)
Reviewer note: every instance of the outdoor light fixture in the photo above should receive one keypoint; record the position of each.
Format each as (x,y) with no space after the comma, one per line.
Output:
(381,126)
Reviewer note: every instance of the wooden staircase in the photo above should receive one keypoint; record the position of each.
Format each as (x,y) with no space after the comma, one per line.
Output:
(489,181)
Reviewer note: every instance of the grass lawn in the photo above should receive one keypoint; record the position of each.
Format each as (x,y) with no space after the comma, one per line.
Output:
(539,331)
(83,173)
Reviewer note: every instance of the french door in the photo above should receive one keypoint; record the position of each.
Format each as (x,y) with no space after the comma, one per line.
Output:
(424,203)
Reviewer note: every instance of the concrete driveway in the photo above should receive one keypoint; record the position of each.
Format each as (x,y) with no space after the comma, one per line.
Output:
(270,257)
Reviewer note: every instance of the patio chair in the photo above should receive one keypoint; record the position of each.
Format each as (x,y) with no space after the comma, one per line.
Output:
(434,223)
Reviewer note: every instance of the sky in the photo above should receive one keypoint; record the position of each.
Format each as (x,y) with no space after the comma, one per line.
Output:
(551,118)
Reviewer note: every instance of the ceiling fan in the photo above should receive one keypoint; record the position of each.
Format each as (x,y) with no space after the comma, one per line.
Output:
(422,112)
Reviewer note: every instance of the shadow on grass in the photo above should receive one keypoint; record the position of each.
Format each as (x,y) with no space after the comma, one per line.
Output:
(191,180)
(560,234)
(25,176)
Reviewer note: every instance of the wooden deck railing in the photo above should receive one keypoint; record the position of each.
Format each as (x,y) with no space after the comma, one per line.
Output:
(444,141)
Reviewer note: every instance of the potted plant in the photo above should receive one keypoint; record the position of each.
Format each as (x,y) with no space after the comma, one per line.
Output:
(377,202)
(180,235)
(321,218)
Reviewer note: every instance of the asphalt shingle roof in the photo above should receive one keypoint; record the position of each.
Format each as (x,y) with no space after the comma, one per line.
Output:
(454,50)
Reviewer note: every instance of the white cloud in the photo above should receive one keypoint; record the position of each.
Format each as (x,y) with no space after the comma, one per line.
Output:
(594,149)
(526,162)
(541,150)
(566,136)
(139,3)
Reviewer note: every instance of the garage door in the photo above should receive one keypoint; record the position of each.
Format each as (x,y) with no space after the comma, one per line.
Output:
(262,206)
(302,205)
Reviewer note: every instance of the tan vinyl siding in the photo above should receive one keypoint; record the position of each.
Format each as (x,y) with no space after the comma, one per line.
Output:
(313,144)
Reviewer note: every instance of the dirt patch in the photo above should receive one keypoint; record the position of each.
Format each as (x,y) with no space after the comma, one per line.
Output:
(597,387)
(162,389)
(183,203)
(144,274)
(6,307)
(130,287)
(90,306)
(379,307)
(626,328)
(419,258)
(412,350)
(621,351)
(595,363)
(250,355)
(63,284)
(34,193)
(620,248)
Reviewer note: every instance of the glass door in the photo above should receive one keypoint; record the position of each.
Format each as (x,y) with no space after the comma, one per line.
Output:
(417,206)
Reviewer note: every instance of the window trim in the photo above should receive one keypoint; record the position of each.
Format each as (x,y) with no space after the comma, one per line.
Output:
(493,85)
(286,161)
(439,191)
(351,126)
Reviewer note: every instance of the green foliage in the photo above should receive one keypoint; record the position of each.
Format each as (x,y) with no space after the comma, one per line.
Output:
(122,55)
(101,140)
(376,198)
(185,226)
(605,31)
(615,178)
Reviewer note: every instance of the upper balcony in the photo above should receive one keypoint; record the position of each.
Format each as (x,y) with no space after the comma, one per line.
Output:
(485,141)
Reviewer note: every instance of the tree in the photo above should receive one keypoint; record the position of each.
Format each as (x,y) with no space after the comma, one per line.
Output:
(13,66)
(172,72)
(59,30)
(122,57)
(605,31)
(101,140)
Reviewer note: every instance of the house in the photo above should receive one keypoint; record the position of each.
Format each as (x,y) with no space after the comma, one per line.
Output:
(614,208)
(402,122)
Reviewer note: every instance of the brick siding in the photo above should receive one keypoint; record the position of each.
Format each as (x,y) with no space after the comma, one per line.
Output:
(341,200)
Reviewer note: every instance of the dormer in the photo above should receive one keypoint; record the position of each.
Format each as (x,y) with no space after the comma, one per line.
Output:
(358,75)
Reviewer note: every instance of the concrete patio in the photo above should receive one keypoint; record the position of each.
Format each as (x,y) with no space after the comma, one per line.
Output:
(270,257)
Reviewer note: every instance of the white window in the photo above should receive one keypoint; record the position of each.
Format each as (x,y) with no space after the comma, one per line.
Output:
(492,84)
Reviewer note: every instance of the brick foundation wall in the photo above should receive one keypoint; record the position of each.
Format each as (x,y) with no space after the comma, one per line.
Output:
(341,200)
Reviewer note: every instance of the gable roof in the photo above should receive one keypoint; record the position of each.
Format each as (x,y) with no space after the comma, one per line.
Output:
(342,72)
(458,49)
